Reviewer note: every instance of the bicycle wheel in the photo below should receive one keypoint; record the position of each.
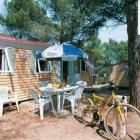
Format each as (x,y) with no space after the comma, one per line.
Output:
(124,126)
(84,110)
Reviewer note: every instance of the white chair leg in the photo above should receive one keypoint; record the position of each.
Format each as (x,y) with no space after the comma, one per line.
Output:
(17,106)
(76,102)
(41,112)
(73,106)
(1,109)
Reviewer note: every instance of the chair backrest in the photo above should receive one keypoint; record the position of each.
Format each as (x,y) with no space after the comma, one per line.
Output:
(34,96)
(78,92)
(81,83)
(80,88)
(43,83)
(4,92)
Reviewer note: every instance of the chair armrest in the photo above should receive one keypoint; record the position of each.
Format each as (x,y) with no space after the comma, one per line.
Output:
(37,90)
(14,97)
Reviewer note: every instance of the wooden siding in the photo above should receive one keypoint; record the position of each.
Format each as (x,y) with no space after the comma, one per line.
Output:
(22,79)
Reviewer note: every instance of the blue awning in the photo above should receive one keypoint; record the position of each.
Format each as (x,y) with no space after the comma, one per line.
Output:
(67,52)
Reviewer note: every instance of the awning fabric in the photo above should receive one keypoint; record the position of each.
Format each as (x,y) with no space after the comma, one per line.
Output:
(65,51)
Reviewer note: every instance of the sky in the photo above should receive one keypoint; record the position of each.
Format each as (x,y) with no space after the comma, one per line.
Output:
(2,12)
(2,7)
(117,33)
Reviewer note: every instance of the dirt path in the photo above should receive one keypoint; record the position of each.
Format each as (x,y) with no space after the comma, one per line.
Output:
(25,126)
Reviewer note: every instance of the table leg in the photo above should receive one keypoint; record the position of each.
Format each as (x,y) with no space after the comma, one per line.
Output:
(58,103)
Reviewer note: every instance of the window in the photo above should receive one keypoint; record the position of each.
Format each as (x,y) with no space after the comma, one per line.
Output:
(3,61)
(44,66)
(33,63)
(39,65)
(6,60)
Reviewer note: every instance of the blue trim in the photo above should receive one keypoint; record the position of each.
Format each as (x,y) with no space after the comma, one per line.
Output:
(72,50)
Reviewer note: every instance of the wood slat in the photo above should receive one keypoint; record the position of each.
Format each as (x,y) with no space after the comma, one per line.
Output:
(22,79)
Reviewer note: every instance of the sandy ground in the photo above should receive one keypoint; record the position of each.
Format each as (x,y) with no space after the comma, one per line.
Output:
(25,126)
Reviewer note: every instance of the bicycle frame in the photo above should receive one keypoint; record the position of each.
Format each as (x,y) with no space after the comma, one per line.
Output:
(111,98)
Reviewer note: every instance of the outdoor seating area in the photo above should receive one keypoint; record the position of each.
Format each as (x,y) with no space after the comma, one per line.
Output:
(50,120)
(42,97)
(36,115)
(70,93)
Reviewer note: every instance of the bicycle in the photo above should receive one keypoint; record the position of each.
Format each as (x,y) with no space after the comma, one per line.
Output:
(110,113)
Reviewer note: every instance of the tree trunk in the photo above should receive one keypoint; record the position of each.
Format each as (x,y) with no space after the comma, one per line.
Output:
(133,51)
(61,39)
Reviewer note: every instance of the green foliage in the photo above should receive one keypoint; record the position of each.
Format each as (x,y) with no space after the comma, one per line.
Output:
(114,10)
(22,15)
(105,9)
(105,55)
(102,74)
(66,19)
(72,23)
(115,52)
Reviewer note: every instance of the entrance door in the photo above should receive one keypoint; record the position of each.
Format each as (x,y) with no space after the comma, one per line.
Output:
(65,71)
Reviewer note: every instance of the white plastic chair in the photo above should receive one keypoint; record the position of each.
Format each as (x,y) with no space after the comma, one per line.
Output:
(74,95)
(43,83)
(81,85)
(40,102)
(4,98)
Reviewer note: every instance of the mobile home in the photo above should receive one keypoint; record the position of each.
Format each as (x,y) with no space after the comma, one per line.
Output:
(18,65)
(20,68)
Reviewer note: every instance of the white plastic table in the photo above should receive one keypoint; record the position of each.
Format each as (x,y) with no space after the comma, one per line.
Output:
(58,92)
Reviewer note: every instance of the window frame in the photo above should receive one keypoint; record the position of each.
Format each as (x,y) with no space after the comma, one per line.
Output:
(39,67)
(4,72)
